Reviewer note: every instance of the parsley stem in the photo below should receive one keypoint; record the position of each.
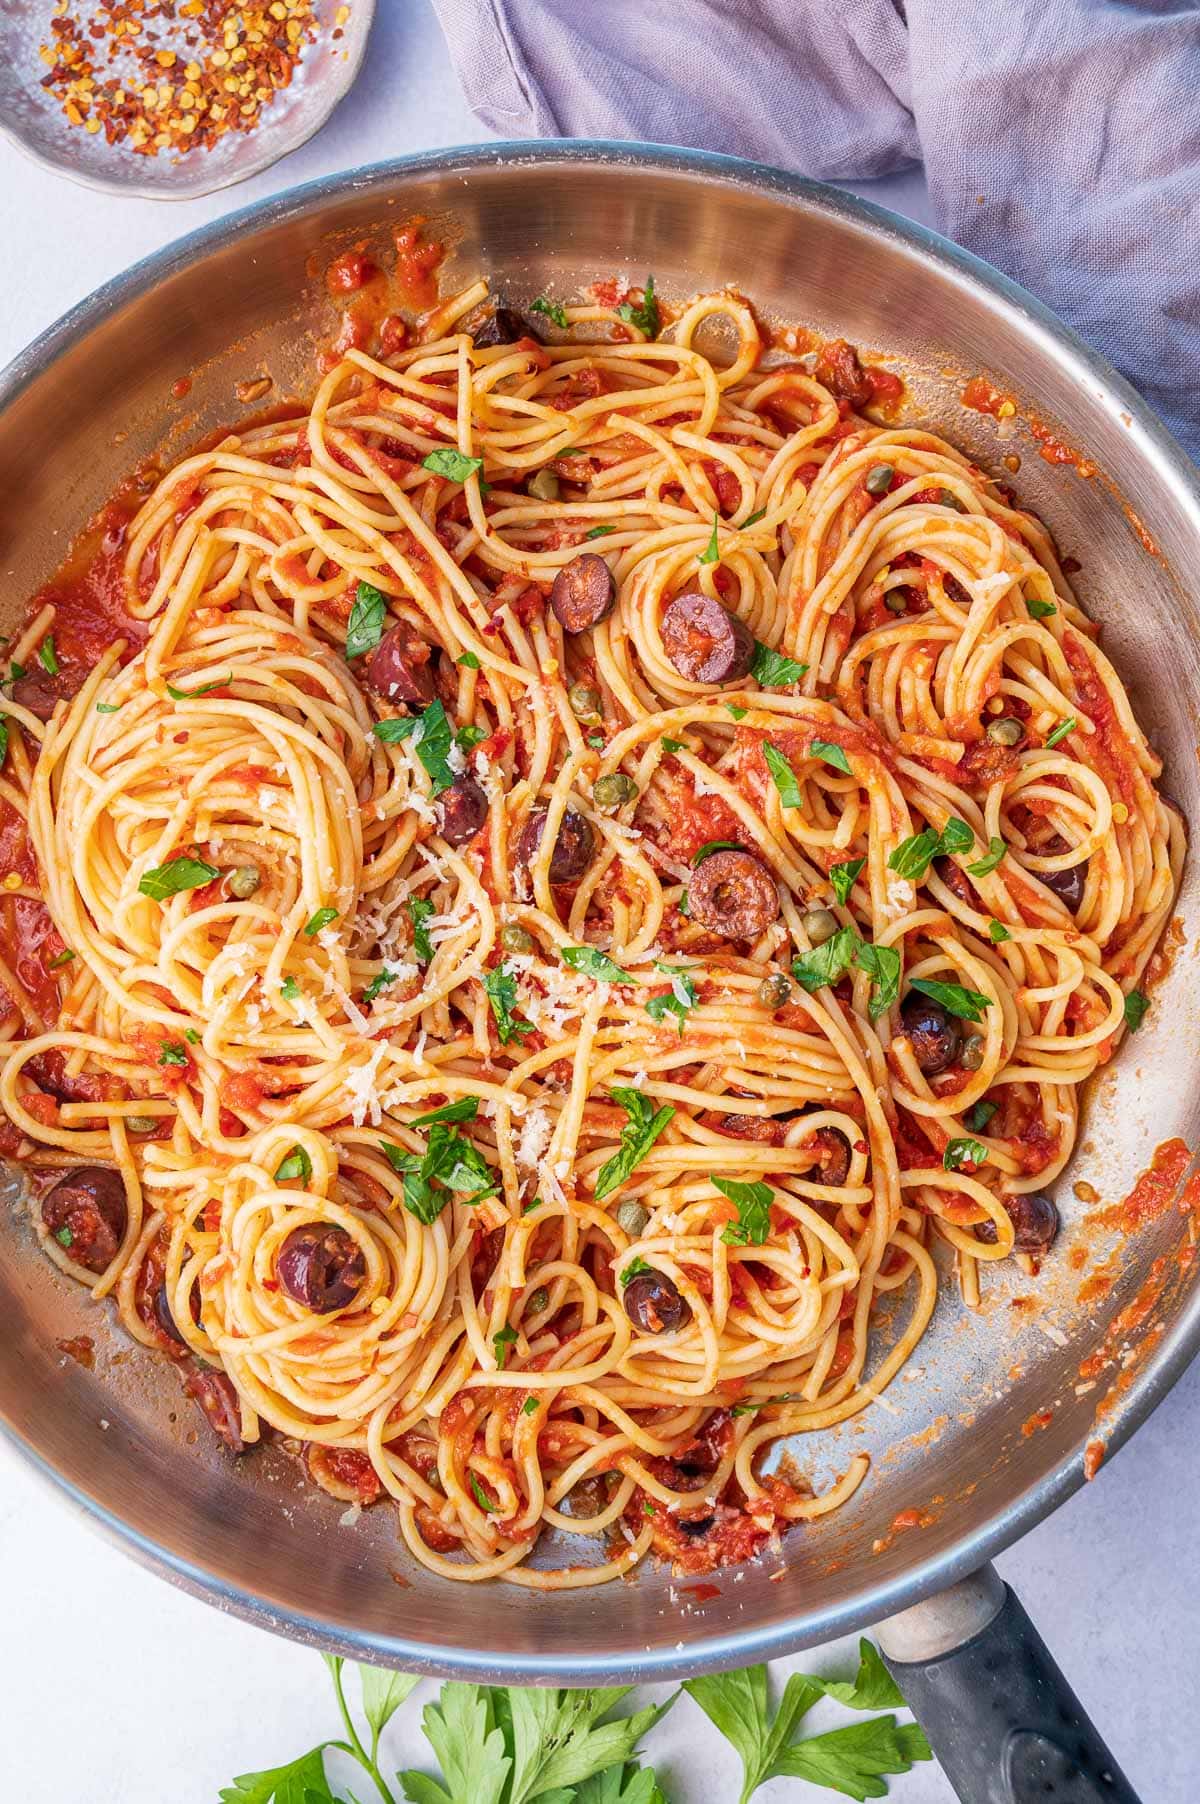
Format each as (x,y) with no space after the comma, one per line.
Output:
(368,1762)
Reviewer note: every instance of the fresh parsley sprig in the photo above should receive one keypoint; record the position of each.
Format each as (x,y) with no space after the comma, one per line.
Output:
(638,1135)
(851,1761)
(498,1745)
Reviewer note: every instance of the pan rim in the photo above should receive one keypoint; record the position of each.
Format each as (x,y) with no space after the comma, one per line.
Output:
(866,1603)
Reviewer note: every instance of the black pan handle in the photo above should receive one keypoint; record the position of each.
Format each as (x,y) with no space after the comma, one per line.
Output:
(1000,1717)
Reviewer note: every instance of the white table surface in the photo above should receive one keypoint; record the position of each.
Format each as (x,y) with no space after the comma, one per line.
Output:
(167,1699)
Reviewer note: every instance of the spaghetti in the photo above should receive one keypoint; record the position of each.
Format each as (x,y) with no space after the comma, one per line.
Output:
(577,869)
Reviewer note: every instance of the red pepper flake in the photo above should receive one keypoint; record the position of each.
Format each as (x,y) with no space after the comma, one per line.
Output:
(164,79)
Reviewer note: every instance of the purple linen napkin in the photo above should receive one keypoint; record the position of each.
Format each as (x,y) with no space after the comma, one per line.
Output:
(1060,138)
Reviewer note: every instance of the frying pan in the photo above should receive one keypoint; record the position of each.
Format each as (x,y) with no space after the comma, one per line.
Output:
(990,1427)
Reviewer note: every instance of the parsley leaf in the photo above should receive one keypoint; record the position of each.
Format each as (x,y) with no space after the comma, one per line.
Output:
(170,1054)
(963,1151)
(850,1760)
(379,982)
(108,707)
(1041,610)
(553,310)
(1060,732)
(633,1270)
(637,1137)
(296,1165)
(681,1000)
(825,964)
(621,1784)
(187,695)
(455,466)
(469,662)
(753,519)
(177,875)
(364,629)
(1135,1009)
(302,1781)
(501,987)
(463,1732)
(431,736)
(465,1109)
(715,845)
(61,959)
(853,1760)
(501,1342)
(468,737)
(997,931)
(383,1693)
(782,774)
(419,909)
(913,856)
(673,745)
(599,532)
(770,668)
(646,317)
(753,1202)
(710,554)
(47,656)
(978,1117)
(985,865)
(594,963)
(289,989)
(882,965)
(559,1740)
(830,754)
(967,1004)
(324,917)
(449,1162)
(738,713)
(844,876)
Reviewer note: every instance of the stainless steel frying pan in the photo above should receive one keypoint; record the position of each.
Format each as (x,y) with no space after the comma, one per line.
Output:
(988,1429)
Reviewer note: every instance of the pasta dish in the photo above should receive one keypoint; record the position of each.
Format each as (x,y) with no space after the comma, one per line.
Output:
(541,888)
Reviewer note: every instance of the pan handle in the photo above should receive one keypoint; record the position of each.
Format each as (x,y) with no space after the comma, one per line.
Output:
(1001,1718)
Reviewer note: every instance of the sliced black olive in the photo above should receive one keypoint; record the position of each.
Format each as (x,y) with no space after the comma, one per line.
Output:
(734,894)
(462,810)
(87,1215)
(833,1150)
(572,849)
(320,1268)
(1067,885)
(1034,1219)
(502,327)
(704,641)
(934,1034)
(653,1304)
(584,593)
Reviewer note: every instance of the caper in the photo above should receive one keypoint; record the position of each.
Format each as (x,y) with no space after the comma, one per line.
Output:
(971,1055)
(514,938)
(544,484)
(774,991)
(820,924)
(949,499)
(896,601)
(243,881)
(1006,730)
(632,1218)
(537,1301)
(141,1124)
(879,479)
(613,790)
(584,701)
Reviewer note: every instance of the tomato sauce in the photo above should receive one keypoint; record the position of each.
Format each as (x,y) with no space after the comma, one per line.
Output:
(984,397)
(1154,1190)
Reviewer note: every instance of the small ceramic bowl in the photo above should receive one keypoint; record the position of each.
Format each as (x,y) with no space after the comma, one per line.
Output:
(33,118)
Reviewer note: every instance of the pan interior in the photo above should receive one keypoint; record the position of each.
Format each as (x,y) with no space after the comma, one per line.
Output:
(989,1423)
